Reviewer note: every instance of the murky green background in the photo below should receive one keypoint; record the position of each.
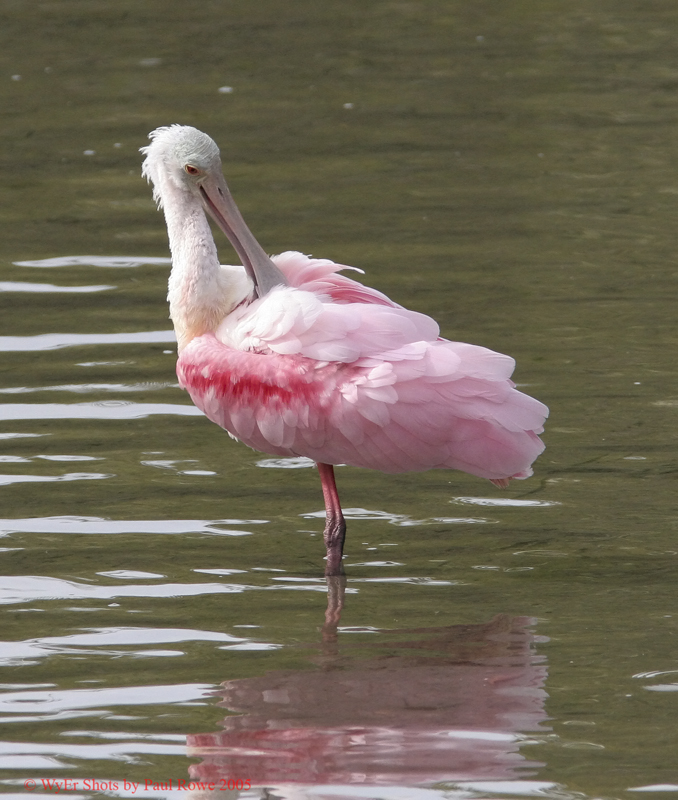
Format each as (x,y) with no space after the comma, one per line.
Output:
(508,168)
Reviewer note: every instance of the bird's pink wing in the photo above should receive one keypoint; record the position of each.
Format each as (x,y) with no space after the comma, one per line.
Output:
(364,384)
(292,321)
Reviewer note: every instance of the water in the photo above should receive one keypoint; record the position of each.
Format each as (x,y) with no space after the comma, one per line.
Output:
(508,169)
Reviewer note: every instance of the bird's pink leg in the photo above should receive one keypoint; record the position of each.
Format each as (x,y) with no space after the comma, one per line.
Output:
(335,525)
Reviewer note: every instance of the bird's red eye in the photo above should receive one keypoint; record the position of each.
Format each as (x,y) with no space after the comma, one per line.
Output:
(191,170)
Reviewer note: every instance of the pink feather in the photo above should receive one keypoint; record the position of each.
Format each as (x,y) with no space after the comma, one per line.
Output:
(335,371)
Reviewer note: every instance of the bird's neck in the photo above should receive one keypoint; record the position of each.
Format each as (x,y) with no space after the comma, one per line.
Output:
(198,294)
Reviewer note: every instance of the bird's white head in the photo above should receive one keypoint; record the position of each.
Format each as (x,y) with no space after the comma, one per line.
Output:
(184,167)
(180,155)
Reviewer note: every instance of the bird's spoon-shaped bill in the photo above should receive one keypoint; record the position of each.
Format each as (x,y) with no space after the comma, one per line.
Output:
(220,205)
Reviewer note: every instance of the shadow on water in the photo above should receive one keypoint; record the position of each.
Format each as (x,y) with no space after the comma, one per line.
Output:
(430,705)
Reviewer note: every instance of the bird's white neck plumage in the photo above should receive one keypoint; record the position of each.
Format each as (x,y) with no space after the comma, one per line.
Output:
(201,292)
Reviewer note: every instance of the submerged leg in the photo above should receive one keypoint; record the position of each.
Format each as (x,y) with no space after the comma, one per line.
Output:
(335,525)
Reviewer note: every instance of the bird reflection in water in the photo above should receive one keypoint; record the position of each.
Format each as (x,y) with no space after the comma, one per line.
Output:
(430,705)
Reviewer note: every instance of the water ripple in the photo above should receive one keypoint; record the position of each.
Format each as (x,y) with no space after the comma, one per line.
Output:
(108,641)
(31,588)
(106,409)
(503,501)
(55,341)
(113,262)
(21,755)
(17,286)
(6,480)
(86,388)
(412,580)
(525,788)
(52,701)
(402,520)
(286,463)
(99,525)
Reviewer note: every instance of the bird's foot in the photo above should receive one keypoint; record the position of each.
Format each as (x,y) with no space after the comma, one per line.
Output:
(334,535)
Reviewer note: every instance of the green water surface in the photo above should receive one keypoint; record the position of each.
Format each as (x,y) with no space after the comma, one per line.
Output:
(508,168)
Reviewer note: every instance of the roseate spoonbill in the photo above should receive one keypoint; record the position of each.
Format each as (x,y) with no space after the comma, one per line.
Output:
(294,359)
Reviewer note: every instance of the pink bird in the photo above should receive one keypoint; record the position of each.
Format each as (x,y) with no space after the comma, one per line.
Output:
(294,359)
